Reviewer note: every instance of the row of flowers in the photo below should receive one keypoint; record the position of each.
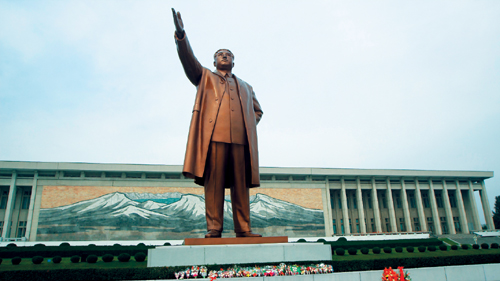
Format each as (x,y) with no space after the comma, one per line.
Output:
(280,270)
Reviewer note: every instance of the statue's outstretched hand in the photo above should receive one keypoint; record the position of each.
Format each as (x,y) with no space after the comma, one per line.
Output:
(179,26)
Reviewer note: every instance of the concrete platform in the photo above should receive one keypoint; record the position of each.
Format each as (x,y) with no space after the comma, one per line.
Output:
(237,254)
(236,240)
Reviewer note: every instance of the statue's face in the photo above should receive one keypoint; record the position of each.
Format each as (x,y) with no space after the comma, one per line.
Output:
(224,60)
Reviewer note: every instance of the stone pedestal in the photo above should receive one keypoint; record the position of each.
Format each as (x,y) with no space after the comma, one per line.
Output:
(237,240)
(237,254)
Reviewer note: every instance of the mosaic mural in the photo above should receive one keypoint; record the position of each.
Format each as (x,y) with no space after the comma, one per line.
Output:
(172,214)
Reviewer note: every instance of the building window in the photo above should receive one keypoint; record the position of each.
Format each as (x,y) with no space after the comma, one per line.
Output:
(430,223)
(342,226)
(25,204)
(369,202)
(443,219)
(456,222)
(334,227)
(1,227)
(357,228)
(413,203)
(354,203)
(332,201)
(340,203)
(453,200)
(347,201)
(425,199)
(439,200)
(416,224)
(398,202)
(21,229)
(3,199)
(373,228)
(402,225)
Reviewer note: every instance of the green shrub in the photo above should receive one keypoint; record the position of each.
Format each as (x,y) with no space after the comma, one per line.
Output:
(321,240)
(431,248)
(365,251)
(475,246)
(37,260)
(376,250)
(140,257)
(465,246)
(75,259)
(117,245)
(16,260)
(454,247)
(399,249)
(57,259)
(352,251)
(301,240)
(92,259)
(92,245)
(342,239)
(108,258)
(11,245)
(421,249)
(124,257)
(168,244)
(443,247)
(494,245)
(1,260)
(141,245)
(340,251)
(39,245)
(410,249)
(64,244)
(387,250)
(485,246)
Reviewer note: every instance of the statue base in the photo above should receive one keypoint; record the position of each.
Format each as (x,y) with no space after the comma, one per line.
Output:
(236,240)
(237,253)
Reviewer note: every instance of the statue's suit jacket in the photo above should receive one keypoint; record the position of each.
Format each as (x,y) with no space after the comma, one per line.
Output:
(210,88)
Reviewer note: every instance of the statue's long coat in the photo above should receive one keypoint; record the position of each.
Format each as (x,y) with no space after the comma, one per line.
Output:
(210,88)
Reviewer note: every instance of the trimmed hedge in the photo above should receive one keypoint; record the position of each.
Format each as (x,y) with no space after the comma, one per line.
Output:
(65,250)
(140,257)
(37,260)
(340,252)
(365,251)
(454,247)
(321,240)
(108,258)
(376,250)
(16,260)
(75,259)
(485,246)
(443,247)
(57,259)
(431,248)
(352,251)
(494,245)
(301,240)
(92,259)
(399,249)
(410,249)
(465,247)
(168,272)
(343,243)
(421,249)
(475,246)
(124,257)
(387,250)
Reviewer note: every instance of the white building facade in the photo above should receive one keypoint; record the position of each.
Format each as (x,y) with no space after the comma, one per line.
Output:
(352,201)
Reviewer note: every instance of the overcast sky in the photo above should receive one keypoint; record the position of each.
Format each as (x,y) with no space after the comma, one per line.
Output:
(351,84)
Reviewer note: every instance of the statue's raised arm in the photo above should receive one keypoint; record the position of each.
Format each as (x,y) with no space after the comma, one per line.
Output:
(192,66)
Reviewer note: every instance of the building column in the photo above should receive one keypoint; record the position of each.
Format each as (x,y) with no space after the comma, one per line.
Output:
(328,204)
(390,203)
(32,206)
(7,221)
(447,206)
(420,207)
(461,209)
(475,215)
(406,208)
(361,209)
(435,214)
(488,216)
(376,209)
(345,213)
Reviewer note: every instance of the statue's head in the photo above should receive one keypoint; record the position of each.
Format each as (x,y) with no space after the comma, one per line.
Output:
(224,59)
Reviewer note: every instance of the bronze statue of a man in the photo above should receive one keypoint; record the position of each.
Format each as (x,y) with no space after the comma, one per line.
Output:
(221,150)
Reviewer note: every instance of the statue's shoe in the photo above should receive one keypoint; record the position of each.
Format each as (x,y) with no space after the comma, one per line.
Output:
(213,234)
(247,234)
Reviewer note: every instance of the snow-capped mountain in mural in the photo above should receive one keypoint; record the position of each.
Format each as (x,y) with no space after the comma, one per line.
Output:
(119,211)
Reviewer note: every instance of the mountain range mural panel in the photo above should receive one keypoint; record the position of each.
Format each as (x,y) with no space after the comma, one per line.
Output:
(169,215)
